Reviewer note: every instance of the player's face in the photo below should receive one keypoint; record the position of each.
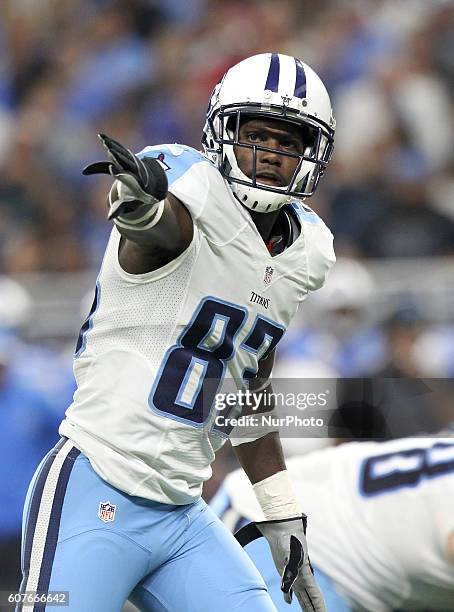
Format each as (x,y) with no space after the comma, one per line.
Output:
(272,168)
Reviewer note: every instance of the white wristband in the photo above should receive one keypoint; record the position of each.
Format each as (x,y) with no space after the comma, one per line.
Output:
(155,214)
(276,497)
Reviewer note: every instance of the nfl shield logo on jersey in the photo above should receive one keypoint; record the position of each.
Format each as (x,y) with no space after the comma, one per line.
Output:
(267,277)
(106,511)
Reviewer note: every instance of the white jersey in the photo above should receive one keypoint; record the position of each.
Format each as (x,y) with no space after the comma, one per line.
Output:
(153,343)
(380,515)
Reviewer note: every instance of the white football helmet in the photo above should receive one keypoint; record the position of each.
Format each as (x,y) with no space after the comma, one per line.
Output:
(274,86)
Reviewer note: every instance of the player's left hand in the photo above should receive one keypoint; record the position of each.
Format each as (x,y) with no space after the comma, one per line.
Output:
(287,540)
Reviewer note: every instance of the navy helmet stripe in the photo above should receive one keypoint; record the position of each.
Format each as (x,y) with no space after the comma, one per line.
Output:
(300,81)
(35,504)
(54,525)
(272,81)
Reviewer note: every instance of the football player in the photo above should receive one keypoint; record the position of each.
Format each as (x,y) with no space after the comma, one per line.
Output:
(209,258)
(382,519)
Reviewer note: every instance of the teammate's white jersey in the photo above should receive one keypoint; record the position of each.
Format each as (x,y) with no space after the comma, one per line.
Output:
(380,515)
(153,342)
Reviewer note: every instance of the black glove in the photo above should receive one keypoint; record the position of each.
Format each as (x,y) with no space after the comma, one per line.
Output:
(145,178)
(287,541)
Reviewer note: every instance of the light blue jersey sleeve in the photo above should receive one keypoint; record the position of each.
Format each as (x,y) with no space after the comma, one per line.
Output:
(177,160)
(319,245)
(199,185)
(189,173)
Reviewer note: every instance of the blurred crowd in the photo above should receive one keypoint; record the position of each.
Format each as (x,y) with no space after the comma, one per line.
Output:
(141,71)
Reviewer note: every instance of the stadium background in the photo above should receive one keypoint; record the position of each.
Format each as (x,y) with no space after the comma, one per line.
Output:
(141,71)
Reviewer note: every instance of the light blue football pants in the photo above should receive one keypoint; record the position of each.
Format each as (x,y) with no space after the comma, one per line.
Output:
(86,537)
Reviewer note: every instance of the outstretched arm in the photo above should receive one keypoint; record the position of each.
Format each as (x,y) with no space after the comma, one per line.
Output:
(155,226)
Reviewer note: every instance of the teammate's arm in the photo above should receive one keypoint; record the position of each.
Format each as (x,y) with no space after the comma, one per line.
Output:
(155,225)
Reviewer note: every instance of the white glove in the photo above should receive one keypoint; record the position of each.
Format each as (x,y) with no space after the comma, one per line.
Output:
(287,540)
